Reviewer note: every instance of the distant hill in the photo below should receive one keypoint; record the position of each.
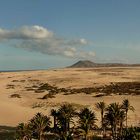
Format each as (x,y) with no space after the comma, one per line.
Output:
(85,63)
(90,64)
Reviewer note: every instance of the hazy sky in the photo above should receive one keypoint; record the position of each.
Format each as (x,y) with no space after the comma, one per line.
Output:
(39,34)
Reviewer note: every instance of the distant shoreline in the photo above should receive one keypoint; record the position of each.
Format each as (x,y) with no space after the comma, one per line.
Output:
(21,70)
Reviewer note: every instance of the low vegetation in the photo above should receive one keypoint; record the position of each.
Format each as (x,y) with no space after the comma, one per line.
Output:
(48,96)
(10,86)
(121,88)
(15,96)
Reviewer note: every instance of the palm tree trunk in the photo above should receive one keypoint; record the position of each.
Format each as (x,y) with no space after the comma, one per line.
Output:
(115,132)
(102,119)
(40,136)
(121,128)
(112,131)
(86,137)
(65,126)
(86,134)
(102,126)
(68,126)
(54,123)
(126,119)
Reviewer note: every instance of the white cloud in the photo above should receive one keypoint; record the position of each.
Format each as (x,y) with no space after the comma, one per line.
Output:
(35,32)
(83,41)
(26,32)
(40,39)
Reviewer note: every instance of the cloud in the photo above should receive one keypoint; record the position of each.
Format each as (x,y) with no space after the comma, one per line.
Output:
(78,42)
(26,32)
(40,39)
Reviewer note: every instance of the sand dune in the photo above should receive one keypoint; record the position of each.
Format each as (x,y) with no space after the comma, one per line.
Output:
(15,110)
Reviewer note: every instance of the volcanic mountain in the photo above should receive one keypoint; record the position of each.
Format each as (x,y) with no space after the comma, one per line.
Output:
(90,64)
(83,64)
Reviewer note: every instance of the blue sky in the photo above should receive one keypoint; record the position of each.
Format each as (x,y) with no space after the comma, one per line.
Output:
(40,34)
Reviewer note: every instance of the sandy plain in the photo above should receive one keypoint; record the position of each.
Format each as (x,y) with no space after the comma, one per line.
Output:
(16,110)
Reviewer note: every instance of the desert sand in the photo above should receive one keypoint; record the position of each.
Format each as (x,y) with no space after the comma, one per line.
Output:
(16,110)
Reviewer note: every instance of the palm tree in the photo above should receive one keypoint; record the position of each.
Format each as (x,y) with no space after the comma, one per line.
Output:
(65,116)
(126,106)
(40,124)
(23,132)
(112,117)
(86,121)
(121,118)
(54,113)
(101,106)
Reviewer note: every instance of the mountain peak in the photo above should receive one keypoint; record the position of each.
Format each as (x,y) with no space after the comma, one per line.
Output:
(83,64)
